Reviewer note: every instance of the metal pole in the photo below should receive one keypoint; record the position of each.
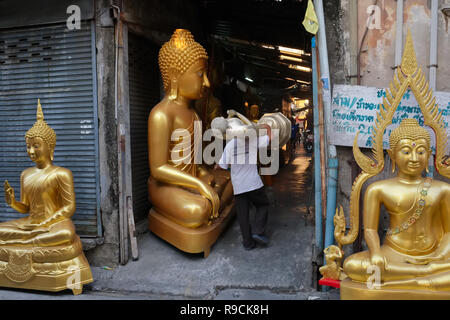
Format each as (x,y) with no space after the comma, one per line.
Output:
(433,43)
(333,164)
(399,34)
(324,69)
(332,153)
(317,180)
(323,172)
(433,61)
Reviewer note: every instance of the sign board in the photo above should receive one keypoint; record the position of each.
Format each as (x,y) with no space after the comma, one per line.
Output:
(354,108)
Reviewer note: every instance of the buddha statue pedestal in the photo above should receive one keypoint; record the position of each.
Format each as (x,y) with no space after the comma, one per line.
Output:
(352,290)
(190,240)
(42,250)
(45,268)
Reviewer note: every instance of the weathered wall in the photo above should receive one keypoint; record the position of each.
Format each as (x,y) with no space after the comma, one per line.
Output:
(108,252)
(338,21)
(337,25)
(378,58)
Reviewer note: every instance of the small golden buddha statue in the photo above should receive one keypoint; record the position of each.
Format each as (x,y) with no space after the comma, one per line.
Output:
(42,251)
(190,204)
(413,261)
(254,113)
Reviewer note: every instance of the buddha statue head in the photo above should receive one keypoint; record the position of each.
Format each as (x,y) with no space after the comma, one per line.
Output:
(410,147)
(182,62)
(40,139)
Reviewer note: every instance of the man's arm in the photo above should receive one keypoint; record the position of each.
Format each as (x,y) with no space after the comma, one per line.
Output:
(268,128)
(223,162)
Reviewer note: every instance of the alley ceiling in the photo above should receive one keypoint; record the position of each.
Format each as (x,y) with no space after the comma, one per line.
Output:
(245,29)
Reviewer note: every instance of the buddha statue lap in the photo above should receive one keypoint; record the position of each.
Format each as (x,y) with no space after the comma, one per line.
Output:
(191,204)
(42,251)
(413,262)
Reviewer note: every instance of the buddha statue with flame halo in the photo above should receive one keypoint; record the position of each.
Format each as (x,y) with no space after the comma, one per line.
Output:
(42,251)
(191,205)
(413,261)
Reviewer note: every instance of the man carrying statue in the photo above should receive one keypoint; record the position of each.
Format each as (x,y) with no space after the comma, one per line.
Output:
(241,154)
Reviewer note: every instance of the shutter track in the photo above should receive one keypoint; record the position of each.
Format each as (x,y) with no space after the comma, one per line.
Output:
(144,84)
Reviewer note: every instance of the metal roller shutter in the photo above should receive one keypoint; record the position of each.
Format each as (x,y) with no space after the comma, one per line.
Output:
(56,65)
(144,90)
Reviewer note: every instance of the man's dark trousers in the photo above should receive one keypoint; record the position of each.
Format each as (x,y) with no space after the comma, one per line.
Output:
(261,202)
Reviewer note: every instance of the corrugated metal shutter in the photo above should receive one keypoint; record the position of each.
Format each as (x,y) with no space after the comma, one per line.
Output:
(144,89)
(56,65)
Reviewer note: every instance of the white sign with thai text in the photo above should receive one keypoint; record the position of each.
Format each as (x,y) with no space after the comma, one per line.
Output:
(354,108)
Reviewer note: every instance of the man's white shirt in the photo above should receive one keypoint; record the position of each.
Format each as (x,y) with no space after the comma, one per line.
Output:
(242,156)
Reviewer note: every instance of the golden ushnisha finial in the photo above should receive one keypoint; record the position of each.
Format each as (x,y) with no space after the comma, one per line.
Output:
(41,129)
(409,60)
(39,113)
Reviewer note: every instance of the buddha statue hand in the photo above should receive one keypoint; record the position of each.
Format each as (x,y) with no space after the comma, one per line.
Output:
(379,261)
(209,193)
(206,176)
(9,194)
(34,228)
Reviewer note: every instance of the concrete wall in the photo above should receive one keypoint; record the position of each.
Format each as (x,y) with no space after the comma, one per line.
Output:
(379,59)
(108,252)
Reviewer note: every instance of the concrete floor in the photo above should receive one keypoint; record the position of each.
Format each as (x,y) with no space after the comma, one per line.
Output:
(282,271)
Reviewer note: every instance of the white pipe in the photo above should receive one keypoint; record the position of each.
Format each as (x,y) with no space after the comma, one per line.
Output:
(354,42)
(433,43)
(325,72)
(399,34)
(433,59)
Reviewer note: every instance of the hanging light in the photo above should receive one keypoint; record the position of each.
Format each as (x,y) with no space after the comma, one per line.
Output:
(283,57)
(286,50)
(300,68)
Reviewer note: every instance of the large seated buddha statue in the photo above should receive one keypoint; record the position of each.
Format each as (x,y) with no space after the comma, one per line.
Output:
(42,251)
(190,205)
(413,261)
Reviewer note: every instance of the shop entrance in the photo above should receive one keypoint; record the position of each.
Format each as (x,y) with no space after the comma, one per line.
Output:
(144,93)
(259,55)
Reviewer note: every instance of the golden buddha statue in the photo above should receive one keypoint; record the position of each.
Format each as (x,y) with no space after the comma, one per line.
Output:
(191,205)
(413,262)
(254,113)
(42,251)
